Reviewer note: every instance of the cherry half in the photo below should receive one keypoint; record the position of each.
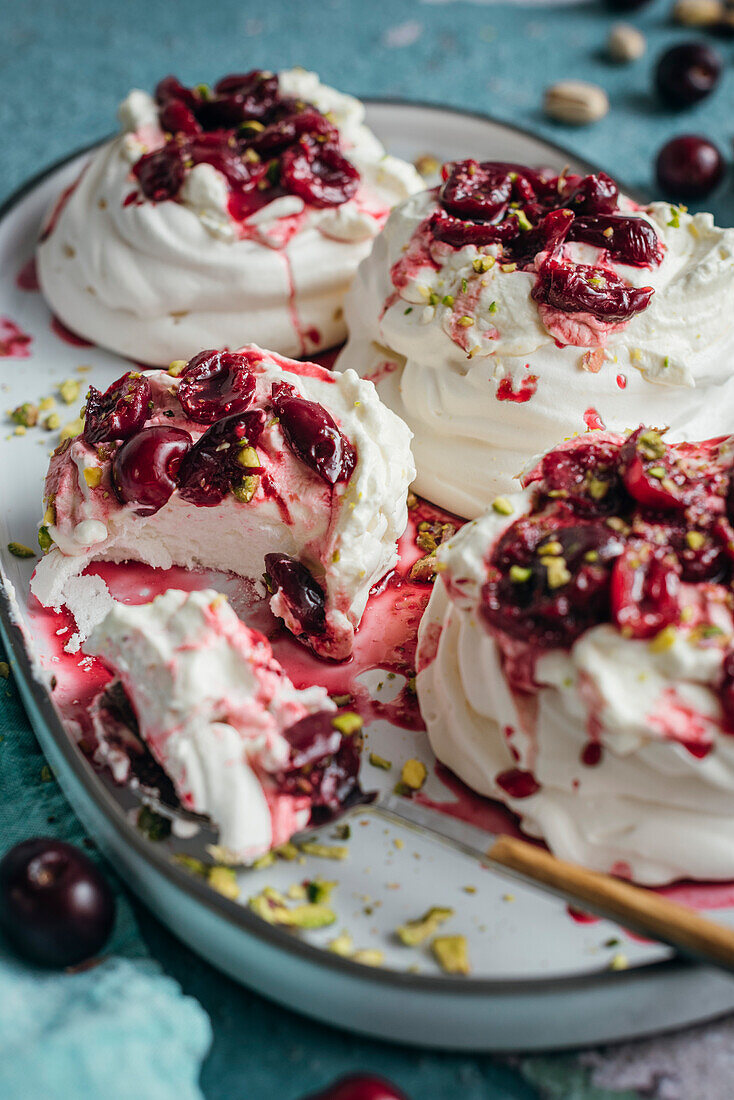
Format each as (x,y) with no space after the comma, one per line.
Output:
(120,411)
(216,384)
(144,468)
(313,435)
(644,590)
(56,908)
(305,598)
(212,468)
(581,288)
(319,174)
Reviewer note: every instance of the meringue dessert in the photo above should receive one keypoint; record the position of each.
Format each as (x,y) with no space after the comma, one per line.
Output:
(239,742)
(576,659)
(242,462)
(510,308)
(219,216)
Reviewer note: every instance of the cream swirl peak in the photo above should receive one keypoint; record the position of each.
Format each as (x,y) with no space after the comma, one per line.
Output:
(239,742)
(509,308)
(576,659)
(219,215)
(243,462)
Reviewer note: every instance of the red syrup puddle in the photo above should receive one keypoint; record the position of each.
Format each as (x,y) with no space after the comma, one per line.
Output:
(14,343)
(469,806)
(59,329)
(27,277)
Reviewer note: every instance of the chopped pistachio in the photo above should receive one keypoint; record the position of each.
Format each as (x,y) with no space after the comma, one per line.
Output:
(466,321)
(591,555)
(369,956)
(18,550)
(267,859)
(464,286)
(557,573)
(452,954)
(325,851)
(248,457)
(52,422)
(270,906)
(407,311)
(343,832)
(695,539)
(657,472)
(72,429)
(482,264)
(26,415)
(552,547)
(379,762)
(296,892)
(414,774)
(46,403)
(286,851)
(520,573)
(20,430)
(224,881)
(469,889)
(92,476)
(44,539)
(448,299)
(502,506)
(342,945)
(155,826)
(191,864)
(319,890)
(177,367)
(492,308)
(508,267)
(69,390)
(347,723)
(414,932)
(522,220)
(598,489)
(651,443)
(674,218)
(245,491)
(663,640)
(619,962)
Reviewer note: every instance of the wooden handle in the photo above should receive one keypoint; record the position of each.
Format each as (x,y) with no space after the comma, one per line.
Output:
(630,905)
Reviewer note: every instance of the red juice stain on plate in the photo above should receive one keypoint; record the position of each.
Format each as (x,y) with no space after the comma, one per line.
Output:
(14,343)
(27,277)
(59,329)
(593,421)
(579,916)
(469,806)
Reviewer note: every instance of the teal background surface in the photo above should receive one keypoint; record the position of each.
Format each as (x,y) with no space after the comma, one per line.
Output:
(65,67)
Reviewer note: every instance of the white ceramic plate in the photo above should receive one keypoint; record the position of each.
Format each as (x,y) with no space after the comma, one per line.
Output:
(539,978)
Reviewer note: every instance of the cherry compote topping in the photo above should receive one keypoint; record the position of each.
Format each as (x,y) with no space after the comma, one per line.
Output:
(528,216)
(216,384)
(580,288)
(305,598)
(264,143)
(313,435)
(120,411)
(56,908)
(585,476)
(645,589)
(214,465)
(359,1087)
(144,468)
(323,764)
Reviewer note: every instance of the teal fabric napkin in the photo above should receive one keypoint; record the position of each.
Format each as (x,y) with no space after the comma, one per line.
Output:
(121,1030)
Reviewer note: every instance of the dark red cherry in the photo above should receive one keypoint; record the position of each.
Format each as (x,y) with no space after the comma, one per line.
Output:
(313,435)
(650,474)
(218,150)
(171,88)
(549,580)
(458,233)
(216,384)
(627,240)
(211,469)
(726,688)
(687,73)
(689,167)
(278,135)
(144,468)
(323,764)
(596,194)
(257,91)
(120,411)
(56,908)
(305,598)
(585,476)
(478,191)
(176,118)
(319,174)
(161,174)
(580,288)
(359,1087)
(550,232)
(644,590)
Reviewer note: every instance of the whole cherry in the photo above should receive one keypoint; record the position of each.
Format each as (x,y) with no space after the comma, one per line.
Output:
(687,73)
(144,468)
(359,1087)
(689,167)
(56,907)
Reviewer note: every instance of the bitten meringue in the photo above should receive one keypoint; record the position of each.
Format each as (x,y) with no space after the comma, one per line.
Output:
(240,743)
(509,309)
(185,231)
(243,462)
(576,660)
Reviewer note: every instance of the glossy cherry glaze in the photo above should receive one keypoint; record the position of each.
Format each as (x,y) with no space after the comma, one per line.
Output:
(305,598)
(529,216)
(120,411)
(145,468)
(56,908)
(313,435)
(689,167)
(216,384)
(266,144)
(213,468)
